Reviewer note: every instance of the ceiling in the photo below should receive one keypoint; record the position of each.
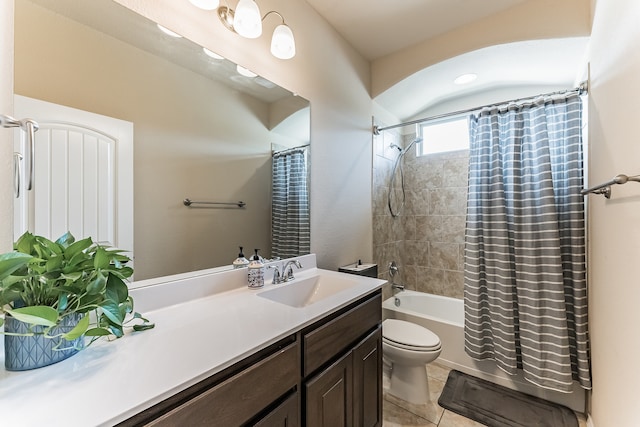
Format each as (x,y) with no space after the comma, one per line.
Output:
(378,28)
(382,27)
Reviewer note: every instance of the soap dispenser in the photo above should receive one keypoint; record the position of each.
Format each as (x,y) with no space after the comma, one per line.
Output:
(256,271)
(241,261)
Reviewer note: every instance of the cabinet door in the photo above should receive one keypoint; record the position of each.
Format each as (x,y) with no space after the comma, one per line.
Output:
(238,399)
(367,381)
(285,415)
(328,396)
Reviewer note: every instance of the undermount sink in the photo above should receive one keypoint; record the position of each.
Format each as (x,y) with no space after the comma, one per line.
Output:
(307,291)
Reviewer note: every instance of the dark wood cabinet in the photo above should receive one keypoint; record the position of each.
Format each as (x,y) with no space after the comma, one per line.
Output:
(287,414)
(367,381)
(329,395)
(241,397)
(328,374)
(348,391)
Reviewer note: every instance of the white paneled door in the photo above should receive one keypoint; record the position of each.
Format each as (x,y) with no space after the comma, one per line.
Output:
(83,179)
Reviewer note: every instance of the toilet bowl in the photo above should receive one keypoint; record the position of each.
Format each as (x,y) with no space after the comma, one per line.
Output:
(408,348)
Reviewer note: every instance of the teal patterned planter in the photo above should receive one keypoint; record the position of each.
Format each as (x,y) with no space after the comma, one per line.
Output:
(24,353)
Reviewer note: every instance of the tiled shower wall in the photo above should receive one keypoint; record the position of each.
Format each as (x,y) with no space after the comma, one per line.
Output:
(427,239)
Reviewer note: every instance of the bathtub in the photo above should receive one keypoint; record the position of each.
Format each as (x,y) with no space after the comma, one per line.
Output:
(444,316)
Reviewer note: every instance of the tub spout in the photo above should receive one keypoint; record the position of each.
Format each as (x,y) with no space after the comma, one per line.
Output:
(397,287)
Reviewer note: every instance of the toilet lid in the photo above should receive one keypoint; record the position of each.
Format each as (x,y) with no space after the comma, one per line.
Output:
(408,334)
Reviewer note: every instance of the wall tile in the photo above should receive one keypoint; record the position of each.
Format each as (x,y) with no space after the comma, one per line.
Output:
(453,282)
(418,201)
(443,255)
(427,239)
(451,229)
(456,172)
(448,201)
(427,228)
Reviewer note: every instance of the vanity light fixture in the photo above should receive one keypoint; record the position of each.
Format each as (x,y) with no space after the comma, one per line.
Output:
(465,79)
(246,21)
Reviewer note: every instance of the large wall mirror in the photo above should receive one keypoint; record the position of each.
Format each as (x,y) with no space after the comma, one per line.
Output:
(201,130)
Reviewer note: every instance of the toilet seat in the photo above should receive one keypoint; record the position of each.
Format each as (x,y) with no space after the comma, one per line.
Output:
(409,336)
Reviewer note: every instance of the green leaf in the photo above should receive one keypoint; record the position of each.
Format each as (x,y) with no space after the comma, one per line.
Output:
(117,290)
(78,330)
(36,315)
(12,261)
(51,247)
(144,327)
(72,277)
(111,310)
(77,247)
(63,301)
(97,332)
(66,239)
(24,243)
(54,263)
(97,285)
(116,330)
(101,259)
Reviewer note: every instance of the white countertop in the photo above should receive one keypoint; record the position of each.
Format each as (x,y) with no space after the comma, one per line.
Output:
(217,322)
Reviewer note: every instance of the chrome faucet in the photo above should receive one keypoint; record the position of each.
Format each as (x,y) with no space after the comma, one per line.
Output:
(287,270)
(277,278)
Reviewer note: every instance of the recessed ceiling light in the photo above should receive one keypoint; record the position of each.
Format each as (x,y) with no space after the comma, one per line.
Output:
(212,54)
(245,72)
(465,78)
(168,31)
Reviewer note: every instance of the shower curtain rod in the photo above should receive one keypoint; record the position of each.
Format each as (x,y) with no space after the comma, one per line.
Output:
(583,87)
(273,153)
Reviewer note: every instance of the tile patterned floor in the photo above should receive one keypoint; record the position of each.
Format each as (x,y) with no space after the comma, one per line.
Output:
(398,413)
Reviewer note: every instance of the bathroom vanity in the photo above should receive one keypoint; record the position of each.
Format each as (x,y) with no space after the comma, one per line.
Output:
(223,355)
(327,374)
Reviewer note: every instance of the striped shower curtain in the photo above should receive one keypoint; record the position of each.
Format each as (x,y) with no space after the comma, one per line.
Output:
(525,278)
(290,223)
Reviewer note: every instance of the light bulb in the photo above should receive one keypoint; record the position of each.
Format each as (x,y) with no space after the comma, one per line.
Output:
(283,45)
(206,4)
(247,20)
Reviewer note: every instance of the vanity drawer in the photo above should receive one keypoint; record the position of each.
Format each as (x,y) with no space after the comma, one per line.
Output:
(242,396)
(323,343)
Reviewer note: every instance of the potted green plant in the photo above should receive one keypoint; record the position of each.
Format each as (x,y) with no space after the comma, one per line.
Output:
(55,294)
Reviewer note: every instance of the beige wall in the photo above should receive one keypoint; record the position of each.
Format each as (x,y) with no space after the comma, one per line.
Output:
(614,225)
(6,135)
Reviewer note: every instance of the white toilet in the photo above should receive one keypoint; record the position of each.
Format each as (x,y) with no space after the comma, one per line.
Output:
(408,347)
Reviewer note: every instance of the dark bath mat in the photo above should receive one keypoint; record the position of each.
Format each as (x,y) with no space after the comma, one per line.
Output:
(498,406)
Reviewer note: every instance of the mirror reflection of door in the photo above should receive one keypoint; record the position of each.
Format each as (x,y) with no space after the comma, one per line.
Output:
(83,178)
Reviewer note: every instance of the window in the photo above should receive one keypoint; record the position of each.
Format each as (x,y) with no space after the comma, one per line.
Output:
(443,136)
